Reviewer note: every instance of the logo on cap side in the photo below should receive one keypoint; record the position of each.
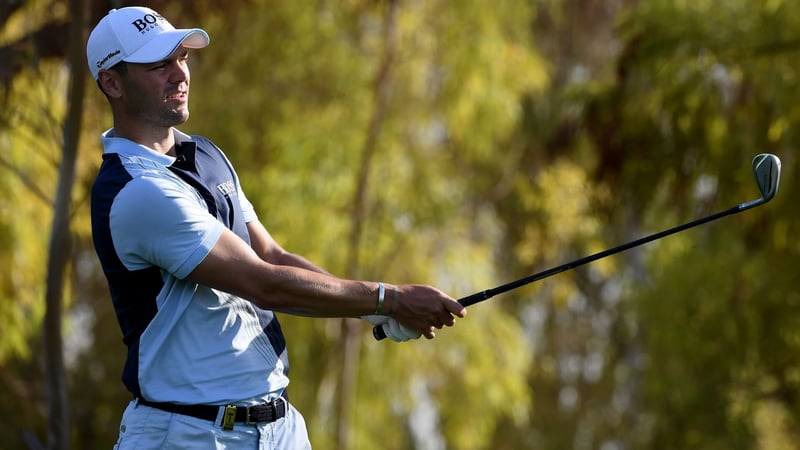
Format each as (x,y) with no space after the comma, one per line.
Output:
(103,61)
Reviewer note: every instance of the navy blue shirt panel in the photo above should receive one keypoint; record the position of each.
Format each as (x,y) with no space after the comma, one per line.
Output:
(133,292)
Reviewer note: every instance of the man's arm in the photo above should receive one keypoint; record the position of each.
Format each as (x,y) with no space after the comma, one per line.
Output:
(233,266)
(271,252)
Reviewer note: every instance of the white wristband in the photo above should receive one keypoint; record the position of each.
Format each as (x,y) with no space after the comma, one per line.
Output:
(381,294)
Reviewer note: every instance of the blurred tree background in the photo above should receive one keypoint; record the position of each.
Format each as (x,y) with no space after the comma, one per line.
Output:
(463,144)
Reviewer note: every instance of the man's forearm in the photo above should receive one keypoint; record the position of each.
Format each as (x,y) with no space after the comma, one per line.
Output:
(291,259)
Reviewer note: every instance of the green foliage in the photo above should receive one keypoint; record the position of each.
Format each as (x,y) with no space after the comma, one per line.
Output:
(29,157)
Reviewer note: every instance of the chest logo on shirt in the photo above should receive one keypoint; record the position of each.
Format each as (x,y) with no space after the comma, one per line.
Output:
(227,188)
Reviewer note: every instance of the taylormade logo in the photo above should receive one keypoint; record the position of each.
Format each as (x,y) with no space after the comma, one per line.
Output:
(147,23)
(103,61)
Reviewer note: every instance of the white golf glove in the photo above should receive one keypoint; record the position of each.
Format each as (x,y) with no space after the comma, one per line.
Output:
(392,328)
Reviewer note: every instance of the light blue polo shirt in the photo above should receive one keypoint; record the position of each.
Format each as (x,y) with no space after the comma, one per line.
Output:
(154,219)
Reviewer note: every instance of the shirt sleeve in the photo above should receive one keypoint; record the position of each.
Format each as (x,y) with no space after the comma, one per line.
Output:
(248,210)
(162,222)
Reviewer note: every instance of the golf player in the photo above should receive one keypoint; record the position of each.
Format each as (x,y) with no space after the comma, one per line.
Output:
(194,276)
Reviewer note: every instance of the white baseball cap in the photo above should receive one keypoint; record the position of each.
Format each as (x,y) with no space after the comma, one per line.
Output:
(138,35)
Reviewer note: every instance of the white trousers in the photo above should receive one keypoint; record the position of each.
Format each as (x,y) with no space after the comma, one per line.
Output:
(146,428)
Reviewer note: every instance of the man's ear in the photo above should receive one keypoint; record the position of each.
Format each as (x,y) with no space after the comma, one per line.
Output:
(110,82)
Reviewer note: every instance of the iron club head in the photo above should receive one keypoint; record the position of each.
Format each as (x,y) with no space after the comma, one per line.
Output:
(767,170)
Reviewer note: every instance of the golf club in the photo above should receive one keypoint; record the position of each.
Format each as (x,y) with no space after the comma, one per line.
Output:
(767,171)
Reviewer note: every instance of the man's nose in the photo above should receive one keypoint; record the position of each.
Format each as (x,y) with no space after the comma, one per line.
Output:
(179,73)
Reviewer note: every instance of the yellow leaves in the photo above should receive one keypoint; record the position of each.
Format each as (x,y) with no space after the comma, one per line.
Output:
(780,236)
(777,129)
(775,428)
(772,421)
(30,146)
(487,104)
(470,67)
(491,356)
(561,200)
(772,6)
(717,134)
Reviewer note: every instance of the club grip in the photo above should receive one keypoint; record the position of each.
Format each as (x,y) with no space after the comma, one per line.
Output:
(378,333)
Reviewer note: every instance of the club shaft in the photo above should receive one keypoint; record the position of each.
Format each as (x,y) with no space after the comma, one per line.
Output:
(489,293)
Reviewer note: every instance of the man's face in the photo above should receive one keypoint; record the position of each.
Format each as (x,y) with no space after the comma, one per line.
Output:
(157,94)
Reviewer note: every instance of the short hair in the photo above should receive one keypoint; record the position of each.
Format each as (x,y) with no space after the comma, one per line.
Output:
(121,68)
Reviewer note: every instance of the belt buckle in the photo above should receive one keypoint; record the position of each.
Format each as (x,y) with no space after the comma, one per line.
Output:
(229,417)
(247,416)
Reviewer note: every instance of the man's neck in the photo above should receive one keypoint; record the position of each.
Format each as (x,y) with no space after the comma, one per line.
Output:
(161,140)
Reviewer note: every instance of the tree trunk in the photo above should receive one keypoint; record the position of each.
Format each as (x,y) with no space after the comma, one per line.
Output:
(352,328)
(59,251)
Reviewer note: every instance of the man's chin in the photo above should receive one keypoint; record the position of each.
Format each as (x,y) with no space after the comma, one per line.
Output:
(178,117)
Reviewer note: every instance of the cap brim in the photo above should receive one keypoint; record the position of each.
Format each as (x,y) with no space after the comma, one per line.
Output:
(160,47)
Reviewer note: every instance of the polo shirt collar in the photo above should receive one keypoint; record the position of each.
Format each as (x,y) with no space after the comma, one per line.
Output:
(126,147)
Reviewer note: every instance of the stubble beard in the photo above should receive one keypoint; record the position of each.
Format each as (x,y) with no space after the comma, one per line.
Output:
(157,111)
(161,114)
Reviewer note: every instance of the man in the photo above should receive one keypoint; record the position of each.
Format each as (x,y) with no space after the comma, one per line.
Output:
(193,274)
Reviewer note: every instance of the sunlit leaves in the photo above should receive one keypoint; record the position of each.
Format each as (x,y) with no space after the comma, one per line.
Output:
(29,152)
(560,201)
